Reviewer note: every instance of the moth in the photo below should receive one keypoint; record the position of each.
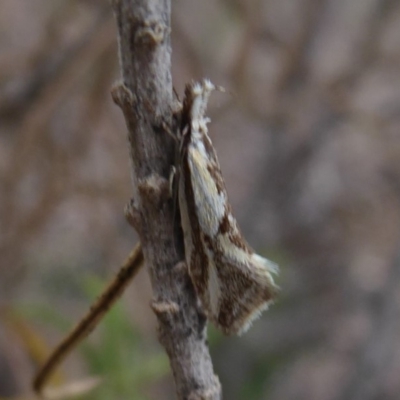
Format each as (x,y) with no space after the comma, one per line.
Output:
(233,283)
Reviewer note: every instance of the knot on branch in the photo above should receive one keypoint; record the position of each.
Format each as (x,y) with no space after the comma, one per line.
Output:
(180,269)
(181,274)
(151,33)
(154,189)
(165,310)
(133,215)
(212,393)
(122,96)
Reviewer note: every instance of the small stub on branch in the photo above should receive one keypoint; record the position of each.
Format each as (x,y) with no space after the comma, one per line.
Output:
(209,394)
(151,33)
(164,307)
(154,189)
(121,95)
(133,215)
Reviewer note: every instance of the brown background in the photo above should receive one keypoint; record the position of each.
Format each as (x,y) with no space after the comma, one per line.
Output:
(308,136)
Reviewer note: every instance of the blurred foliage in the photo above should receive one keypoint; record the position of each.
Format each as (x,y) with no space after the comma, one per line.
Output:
(118,354)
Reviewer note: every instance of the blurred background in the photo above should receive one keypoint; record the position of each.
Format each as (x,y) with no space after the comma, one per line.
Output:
(308,136)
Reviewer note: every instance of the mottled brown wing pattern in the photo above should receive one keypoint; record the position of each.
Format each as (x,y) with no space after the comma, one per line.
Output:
(234,284)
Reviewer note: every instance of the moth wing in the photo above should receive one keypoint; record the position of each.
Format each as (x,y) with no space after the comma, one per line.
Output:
(246,286)
(210,199)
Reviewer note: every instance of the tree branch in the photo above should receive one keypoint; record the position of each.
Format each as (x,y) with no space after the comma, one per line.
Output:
(145,97)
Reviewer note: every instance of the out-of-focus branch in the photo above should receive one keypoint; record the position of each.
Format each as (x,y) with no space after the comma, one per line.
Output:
(52,63)
(127,272)
(145,97)
(375,357)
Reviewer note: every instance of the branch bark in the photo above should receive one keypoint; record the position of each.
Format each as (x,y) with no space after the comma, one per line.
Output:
(146,99)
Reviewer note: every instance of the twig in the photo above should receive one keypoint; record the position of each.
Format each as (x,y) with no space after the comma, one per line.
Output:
(114,290)
(145,97)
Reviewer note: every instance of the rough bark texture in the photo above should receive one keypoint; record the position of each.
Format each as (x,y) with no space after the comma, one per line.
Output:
(145,96)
